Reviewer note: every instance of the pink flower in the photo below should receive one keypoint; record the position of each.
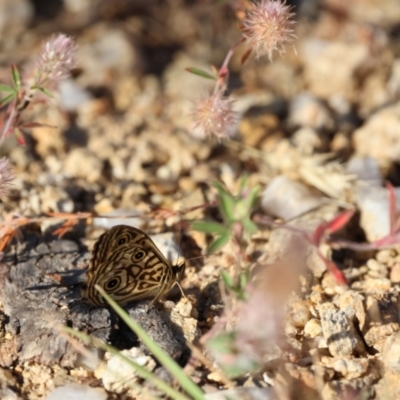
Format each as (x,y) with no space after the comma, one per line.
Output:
(6,176)
(56,59)
(268,27)
(214,115)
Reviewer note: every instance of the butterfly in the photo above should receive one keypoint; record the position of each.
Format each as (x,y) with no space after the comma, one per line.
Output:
(127,264)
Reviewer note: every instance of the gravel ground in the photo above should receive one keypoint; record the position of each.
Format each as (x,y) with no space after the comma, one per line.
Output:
(318,131)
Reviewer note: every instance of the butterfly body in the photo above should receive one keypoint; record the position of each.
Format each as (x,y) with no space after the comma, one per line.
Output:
(128,266)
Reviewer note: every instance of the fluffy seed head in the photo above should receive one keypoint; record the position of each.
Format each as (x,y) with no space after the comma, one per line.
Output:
(214,115)
(6,176)
(56,59)
(269,27)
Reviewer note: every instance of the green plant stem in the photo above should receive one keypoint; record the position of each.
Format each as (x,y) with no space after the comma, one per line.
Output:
(186,383)
(143,372)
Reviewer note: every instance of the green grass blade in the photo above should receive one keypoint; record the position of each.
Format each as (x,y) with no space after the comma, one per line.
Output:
(209,227)
(219,243)
(46,92)
(186,383)
(201,72)
(6,88)
(226,202)
(143,372)
(15,77)
(7,99)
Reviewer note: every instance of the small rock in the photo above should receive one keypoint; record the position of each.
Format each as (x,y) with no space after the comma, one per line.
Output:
(300,313)
(72,95)
(181,315)
(80,163)
(376,269)
(395,273)
(386,256)
(308,111)
(81,392)
(338,331)
(366,169)
(372,286)
(351,368)
(383,319)
(306,140)
(352,304)
(323,80)
(287,199)
(117,375)
(168,246)
(373,203)
(312,328)
(54,199)
(385,146)
(248,393)
(110,219)
(391,353)
(315,263)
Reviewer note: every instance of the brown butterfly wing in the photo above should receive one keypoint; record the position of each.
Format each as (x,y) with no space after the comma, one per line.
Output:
(128,266)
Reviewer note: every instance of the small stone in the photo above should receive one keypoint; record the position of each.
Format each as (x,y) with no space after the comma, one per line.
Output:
(383,319)
(300,313)
(248,393)
(216,377)
(395,273)
(286,199)
(352,303)
(312,328)
(54,199)
(385,256)
(374,205)
(351,368)
(366,169)
(319,56)
(316,295)
(256,128)
(110,219)
(117,374)
(391,353)
(81,392)
(306,140)
(384,147)
(370,286)
(308,111)
(338,331)
(376,335)
(316,264)
(81,163)
(290,330)
(379,269)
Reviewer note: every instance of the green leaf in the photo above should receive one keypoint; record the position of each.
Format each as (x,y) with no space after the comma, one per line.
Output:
(143,372)
(226,202)
(252,198)
(249,226)
(244,278)
(223,343)
(228,281)
(243,182)
(7,99)
(176,371)
(6,88)
(209,227)
(219,242)
(15,77)
(46,92)
(200,72)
